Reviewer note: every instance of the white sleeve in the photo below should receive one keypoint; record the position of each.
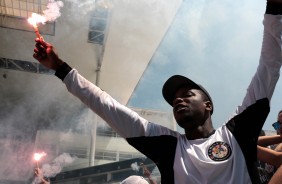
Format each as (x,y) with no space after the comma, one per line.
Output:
(123,120)
(268,71)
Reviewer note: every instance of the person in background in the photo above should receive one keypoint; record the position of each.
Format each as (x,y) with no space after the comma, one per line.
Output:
(278,138)
(269,152)
(147,174)
(265,166)
(203,154)
(40,179)
(134,179)
(270,156)
(273,158)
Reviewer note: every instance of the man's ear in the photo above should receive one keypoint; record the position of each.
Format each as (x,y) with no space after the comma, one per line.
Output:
(208,105)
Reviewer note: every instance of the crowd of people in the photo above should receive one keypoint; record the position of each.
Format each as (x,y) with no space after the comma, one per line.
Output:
(202,154)
(269,153)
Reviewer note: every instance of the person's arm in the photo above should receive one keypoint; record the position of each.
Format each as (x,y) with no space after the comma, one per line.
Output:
(269,140)
(152,181)
(269,156)
(39,174)
(123,120)
(147,173)
(263,83)
(267,74)
(44,181)
(278,147)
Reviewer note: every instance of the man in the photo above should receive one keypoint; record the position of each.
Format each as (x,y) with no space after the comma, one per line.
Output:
(202,155)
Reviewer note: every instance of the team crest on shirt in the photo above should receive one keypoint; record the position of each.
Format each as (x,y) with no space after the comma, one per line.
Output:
(219,151)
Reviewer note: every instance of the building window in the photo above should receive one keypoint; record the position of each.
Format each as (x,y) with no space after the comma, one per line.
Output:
(14,14)
(106,131)
(22,8)
(106,155)
(127,156)
(76,152)
(80,153)
(115,156)
(98,25)
(25,66)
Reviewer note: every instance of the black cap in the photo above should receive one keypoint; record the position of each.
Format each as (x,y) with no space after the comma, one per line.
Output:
(175,82)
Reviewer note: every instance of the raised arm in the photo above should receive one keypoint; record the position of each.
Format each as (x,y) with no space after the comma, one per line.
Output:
(126,122)
(123,120)
(267,74)
(249,118)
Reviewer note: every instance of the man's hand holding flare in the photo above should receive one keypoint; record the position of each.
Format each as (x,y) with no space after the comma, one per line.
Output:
(45,54)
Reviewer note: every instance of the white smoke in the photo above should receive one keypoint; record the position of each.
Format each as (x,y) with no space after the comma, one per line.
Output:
(135,166)
(52,169)
(55,167)
(53,10)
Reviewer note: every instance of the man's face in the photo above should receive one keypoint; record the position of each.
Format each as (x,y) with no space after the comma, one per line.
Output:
(189,108)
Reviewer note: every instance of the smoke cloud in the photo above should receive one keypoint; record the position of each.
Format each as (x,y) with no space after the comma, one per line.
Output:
(52,169)
(53,10)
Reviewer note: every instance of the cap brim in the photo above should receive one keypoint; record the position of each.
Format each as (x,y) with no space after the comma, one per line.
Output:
(175,82)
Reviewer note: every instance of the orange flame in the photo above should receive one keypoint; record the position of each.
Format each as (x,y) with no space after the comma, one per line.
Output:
(38,156)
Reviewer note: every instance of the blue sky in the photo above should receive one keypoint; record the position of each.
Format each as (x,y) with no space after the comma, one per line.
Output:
(215,43)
